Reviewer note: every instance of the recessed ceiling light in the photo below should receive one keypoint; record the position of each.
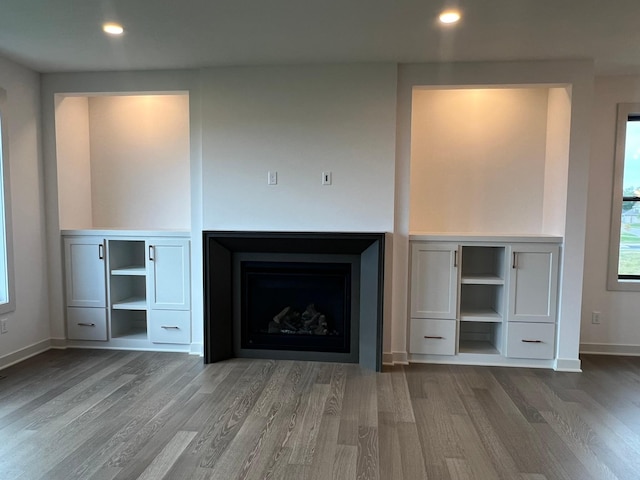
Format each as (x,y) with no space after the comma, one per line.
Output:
(449,16)
(113,28)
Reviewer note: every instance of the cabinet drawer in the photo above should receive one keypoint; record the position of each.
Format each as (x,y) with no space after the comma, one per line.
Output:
(531,340)
(86,323)
(437,337)
(170,326)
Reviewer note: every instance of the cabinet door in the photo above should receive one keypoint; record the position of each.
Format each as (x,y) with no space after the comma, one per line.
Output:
(434,280)
(533,283)
(85,272)
(168,279)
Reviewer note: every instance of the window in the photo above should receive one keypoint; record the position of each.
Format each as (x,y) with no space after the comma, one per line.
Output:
(624,257)
(7,297)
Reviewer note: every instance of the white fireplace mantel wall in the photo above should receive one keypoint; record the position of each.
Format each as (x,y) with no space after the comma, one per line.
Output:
(353,120)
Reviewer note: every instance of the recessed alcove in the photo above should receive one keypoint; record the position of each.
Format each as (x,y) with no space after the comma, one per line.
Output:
(489,159)
(123,160)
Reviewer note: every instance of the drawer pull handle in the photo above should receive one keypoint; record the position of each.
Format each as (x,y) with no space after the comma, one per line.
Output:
(514,263)
(101,251)
(152,253)
(434,337)
(86,324)
(169,327)
(531,341)
(455,259)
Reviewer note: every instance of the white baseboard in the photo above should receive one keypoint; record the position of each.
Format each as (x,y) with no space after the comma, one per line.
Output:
(395,358)
(197,349)
(59,343)
(610,349)
(567,365)
(24,353)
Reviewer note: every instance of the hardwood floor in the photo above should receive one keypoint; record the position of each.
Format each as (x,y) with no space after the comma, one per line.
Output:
(81,414)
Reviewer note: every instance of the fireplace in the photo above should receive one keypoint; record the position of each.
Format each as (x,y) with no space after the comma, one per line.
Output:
(291,295)
(299,306)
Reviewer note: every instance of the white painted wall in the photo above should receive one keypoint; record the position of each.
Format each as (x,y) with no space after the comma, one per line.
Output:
(556,169)
(299,121)
(478,160)
(140,161)
(74,162)
(619,330)
(28,325)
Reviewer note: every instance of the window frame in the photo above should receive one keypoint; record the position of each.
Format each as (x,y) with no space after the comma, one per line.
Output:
(5,204)
(614,282)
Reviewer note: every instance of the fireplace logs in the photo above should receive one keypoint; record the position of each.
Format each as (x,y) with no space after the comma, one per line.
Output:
(290,321)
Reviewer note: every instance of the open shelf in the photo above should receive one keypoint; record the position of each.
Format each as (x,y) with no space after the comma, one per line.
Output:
(129,324)
(477,346)
(133,334)
(483,264)
(480,315)
(131,303)
(480,337)
(135,270)
(482,279)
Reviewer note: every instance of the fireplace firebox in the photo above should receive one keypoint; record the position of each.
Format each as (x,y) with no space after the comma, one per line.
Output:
(294,295)
(300,306)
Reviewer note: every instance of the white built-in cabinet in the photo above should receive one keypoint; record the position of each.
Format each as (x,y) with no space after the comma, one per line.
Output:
(483,299)
(128,290)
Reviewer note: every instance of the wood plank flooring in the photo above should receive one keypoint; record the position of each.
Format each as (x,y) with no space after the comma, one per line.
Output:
(94,414)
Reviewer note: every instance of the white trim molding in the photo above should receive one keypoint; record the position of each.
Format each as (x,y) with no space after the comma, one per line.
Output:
(395,358)
(197,349)
(24,353)
(610,349)
(567,365)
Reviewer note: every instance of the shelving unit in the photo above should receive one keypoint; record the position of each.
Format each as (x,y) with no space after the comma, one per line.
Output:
(481,299)
(127,289)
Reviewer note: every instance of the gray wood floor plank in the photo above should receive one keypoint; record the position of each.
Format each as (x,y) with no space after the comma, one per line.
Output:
(333,406)
(411,455)
(306,434)
(367,467)
(391,464)
(345,462)
(401,399)
(499,455)
(163,462)
(473,448)
(324,451)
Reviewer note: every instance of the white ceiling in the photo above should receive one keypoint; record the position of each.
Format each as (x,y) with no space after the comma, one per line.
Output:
(65,35)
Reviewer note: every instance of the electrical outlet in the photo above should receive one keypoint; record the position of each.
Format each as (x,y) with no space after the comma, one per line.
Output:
(326,178)
(272,178)
(3,326)
(595,318)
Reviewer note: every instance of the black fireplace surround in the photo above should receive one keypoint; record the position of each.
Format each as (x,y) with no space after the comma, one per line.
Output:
(334,281)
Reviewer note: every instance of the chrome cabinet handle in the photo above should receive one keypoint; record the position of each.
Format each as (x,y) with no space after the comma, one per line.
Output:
(434,337)
(514,262)
(101,251)
(86,324)
(152,253)
(531,341)
(455,259)
(170,327)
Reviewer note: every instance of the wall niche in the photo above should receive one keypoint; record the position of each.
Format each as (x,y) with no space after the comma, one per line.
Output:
(123,161)
(489,160)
